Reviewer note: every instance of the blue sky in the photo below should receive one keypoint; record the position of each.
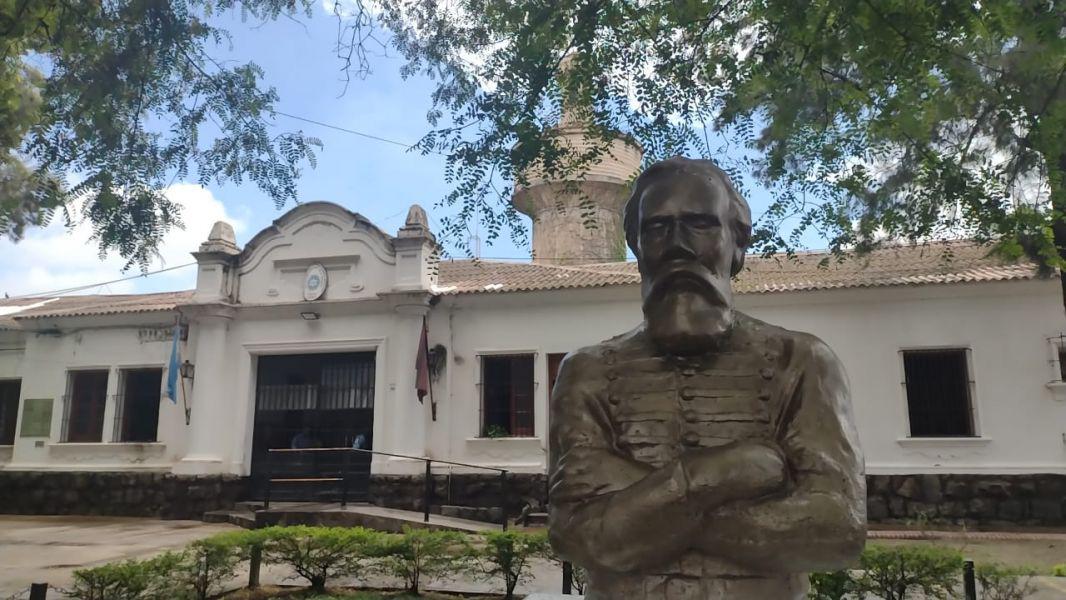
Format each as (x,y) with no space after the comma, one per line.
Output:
(376,179)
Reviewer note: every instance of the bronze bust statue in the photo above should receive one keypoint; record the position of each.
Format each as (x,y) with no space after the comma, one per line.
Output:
(705,454)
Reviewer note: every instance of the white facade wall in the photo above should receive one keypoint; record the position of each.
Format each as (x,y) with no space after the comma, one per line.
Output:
(53,349)
(380,288)
(1020,419)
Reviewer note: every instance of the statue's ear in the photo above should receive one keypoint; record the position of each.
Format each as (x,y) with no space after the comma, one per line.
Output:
(738,261)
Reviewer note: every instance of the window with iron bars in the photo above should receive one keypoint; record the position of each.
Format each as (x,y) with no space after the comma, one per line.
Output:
(137,406)
(83,407)
(939,391)
(9,409)
(507,388)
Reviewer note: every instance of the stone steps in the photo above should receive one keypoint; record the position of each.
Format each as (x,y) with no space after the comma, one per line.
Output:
(472,513)
(240,518)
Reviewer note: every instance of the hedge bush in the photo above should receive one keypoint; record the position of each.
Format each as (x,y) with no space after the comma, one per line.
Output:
(318,554)
(835,585)
(891,573)
(509,554)
(1000,582)
(211,562)
(130,580)
(419,554)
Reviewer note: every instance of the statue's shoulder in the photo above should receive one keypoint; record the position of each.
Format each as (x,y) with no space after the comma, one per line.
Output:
(798,344)
(600,354)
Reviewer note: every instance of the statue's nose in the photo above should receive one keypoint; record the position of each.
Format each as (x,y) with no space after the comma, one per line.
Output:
(677,242)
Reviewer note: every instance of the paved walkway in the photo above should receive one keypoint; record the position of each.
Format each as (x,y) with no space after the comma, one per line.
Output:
(49,549)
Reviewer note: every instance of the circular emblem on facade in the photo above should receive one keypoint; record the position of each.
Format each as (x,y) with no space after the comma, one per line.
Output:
(315,282)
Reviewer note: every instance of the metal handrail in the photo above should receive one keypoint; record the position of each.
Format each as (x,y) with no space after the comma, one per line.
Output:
(428,492)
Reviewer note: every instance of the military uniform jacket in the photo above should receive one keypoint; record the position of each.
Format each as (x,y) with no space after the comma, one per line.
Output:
(623,418)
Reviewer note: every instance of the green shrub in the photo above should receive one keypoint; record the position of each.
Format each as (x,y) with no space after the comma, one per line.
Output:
(893,572)
(1000,582)
(317,554)
(835,585)
(420,554)
(580,579)
(209,563)
(1059,570)
(508,554)
(130,580)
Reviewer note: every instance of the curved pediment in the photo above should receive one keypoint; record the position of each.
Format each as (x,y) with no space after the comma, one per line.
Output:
(357,256)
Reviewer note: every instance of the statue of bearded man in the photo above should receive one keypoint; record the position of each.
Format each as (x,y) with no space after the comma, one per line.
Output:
(705,454)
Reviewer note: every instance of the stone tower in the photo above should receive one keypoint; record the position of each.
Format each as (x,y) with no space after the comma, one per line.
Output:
(579,219)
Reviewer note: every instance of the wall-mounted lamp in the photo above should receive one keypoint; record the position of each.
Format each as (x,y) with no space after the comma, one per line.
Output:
(187,370)
(309,316)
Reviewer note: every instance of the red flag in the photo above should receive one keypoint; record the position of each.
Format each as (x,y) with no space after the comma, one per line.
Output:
(422,364)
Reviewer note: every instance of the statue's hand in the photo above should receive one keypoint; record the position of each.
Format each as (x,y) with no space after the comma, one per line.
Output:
(741,471)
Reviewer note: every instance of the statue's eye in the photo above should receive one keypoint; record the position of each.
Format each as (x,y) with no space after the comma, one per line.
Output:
(702,221)
(654,227)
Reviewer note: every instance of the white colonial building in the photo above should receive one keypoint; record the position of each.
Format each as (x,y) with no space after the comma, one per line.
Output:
(309,335)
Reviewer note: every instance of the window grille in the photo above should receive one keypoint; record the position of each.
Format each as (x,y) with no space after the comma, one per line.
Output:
(9,410)
(1058,358)
(83,407)
(507,390)
(137,407)
(938,388)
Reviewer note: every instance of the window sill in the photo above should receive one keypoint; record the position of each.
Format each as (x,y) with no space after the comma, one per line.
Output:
(99,449)
(1058,389)
(943,441)
(513,438)
(103,444)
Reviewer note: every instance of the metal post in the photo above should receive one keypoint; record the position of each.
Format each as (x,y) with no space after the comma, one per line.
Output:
(201,576)
(345,467)
(269,478)
(969,584)
(38,591)
(568,578)
(254,560)
(503,498)
(429,491)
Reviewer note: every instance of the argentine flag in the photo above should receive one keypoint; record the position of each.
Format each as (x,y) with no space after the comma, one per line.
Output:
(174,367)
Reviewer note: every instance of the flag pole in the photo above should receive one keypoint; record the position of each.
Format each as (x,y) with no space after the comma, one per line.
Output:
(185,401)
(429,375)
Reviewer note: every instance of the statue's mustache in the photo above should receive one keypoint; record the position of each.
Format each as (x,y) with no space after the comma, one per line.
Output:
(687,275)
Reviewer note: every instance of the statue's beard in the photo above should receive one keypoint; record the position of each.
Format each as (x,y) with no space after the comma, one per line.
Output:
(688,311)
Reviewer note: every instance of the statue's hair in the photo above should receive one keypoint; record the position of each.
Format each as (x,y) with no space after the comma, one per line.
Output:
(739,212)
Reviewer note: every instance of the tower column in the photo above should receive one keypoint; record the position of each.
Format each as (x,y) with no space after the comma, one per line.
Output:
(577,219)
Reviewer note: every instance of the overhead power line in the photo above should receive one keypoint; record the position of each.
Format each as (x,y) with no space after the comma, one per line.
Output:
(90,286)
(346,130)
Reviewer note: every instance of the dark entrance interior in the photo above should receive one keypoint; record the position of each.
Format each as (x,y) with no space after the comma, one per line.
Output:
(137,416)
(313,401)
(84,420)
(9,410)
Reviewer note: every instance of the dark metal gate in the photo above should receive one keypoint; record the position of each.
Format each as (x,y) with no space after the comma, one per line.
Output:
(313,401)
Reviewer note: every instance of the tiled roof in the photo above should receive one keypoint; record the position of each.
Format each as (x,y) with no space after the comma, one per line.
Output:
(903,265)
(76,306)
(956,262)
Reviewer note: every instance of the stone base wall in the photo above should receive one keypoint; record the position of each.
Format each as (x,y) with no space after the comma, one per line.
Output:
(971,500)
(159,495)
(460,489)
(974,500)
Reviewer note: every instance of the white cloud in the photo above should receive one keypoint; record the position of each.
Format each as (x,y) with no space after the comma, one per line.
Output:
(350,8)
(55,257)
